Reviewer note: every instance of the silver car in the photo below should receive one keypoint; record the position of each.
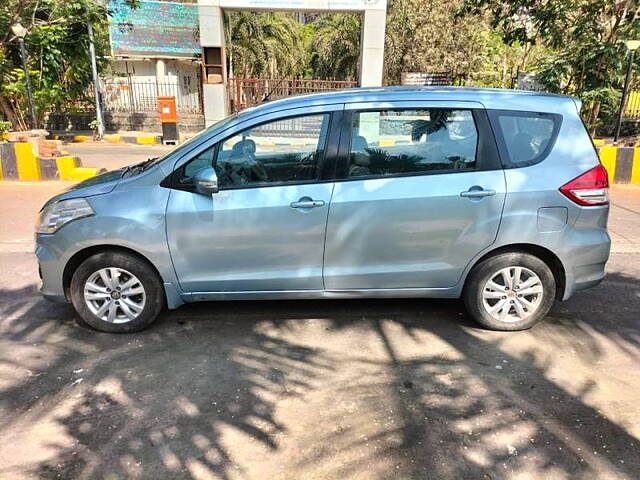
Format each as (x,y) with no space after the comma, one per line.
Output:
(495,196)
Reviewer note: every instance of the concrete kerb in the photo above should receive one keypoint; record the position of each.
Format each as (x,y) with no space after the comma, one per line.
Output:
(110,138)
(622,163)
(18,161)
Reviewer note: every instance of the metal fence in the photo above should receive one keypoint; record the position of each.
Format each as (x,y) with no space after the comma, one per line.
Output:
(246,92)
(122,94)
(632,109)
(306,126)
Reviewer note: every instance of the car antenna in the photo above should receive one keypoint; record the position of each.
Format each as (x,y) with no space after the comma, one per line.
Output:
(266,97)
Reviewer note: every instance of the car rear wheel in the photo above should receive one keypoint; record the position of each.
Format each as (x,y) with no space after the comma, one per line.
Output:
(510,291)
(116,292)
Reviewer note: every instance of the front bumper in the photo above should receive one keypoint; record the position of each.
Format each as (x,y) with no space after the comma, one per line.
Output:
(50,269)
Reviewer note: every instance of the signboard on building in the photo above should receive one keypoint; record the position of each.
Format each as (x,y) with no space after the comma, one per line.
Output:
(154,29)
(422,78)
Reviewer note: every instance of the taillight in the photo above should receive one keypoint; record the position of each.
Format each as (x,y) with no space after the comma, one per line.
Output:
(589,189)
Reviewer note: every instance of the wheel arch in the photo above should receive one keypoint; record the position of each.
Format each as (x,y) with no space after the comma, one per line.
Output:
(547,256)
(81,255)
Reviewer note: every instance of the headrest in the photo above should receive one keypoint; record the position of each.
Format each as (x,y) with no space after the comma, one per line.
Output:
(359,144)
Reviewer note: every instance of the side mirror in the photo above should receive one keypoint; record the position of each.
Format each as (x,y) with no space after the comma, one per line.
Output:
(206,181)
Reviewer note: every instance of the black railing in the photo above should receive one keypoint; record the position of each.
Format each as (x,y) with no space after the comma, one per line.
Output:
(247,92)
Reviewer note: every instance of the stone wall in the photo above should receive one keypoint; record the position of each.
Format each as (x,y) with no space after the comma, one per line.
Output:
(57,122)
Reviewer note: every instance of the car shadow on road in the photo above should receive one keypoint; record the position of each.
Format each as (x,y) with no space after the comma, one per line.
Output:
(329,389)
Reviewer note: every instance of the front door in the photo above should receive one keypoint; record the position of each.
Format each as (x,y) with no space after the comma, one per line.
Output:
(420,194)
(264,230)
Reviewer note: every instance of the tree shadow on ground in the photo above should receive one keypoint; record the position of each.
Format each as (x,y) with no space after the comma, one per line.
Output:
(394,388)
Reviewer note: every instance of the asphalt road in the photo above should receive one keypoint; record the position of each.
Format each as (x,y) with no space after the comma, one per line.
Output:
(406,389)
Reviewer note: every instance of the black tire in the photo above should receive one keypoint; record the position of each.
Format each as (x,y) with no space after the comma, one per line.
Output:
(154,291)
(485,270)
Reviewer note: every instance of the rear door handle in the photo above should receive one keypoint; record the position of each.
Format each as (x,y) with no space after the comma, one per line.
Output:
(306,202)
(477,193)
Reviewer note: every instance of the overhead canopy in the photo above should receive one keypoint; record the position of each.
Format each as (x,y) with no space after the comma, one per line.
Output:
(300,5)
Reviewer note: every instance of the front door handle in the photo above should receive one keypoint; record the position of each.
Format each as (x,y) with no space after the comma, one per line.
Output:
(306,202)
(477,192)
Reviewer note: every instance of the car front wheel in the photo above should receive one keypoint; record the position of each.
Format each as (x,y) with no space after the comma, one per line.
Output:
(116,292)
(510,291)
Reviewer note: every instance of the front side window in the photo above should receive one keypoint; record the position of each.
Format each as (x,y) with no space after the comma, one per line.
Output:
(396,142)
(283,151)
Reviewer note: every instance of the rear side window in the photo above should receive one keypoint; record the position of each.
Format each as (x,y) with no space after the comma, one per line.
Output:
(525,138)
(411,142)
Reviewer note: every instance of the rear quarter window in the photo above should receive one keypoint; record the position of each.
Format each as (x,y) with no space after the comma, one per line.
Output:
(524,138)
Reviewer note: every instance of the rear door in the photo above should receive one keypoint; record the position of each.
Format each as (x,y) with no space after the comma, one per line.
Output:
(419,192)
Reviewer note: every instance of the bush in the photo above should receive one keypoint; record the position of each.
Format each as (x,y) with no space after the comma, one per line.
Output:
(5,128)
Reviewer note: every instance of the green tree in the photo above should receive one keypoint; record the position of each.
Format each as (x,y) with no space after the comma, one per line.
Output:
(584,54)
(502,63)
(335,48)
(58,51)
(263,44)
(428,36)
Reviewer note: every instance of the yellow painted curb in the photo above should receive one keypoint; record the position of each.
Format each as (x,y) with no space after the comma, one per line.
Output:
(266,144)
(82,138)
(608,159)
(146,140)
(598,142)
(26,162)
(113,138)
(635,168)
(386,143)
(66,165)
(82,173)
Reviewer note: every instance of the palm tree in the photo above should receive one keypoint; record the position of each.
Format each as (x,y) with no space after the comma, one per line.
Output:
(336,46)
(263,44)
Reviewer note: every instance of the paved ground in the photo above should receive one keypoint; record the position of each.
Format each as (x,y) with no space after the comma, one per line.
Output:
(319,390)
(113,156)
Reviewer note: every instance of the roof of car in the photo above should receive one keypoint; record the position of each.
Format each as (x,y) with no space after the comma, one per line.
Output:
(495,98)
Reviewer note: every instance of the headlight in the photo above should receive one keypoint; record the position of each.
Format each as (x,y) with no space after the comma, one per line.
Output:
(58,214)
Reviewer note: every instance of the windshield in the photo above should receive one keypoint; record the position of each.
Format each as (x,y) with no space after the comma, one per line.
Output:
(197,136)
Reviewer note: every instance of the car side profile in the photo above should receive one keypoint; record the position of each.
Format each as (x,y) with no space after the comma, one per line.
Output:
(495,196)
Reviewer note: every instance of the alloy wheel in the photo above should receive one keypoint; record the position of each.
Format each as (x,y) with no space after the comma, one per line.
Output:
(512,294)
(114,295)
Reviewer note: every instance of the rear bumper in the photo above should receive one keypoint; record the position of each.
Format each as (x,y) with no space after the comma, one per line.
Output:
(589,276)
(586,267)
